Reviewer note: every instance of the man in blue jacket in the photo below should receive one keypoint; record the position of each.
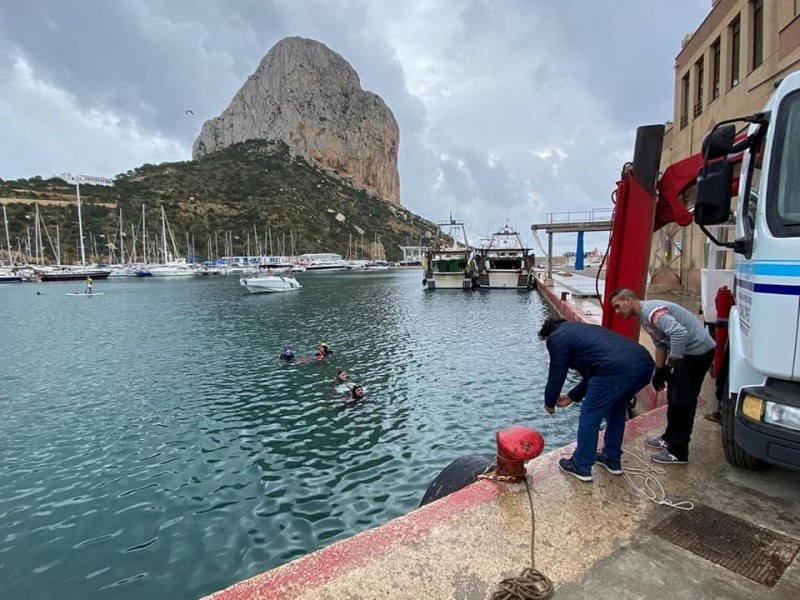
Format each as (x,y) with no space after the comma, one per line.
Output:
(612,368)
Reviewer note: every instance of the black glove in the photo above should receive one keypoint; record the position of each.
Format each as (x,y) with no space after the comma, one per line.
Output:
(661,376)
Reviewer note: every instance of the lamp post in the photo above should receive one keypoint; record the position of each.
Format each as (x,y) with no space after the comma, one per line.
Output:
(77,180)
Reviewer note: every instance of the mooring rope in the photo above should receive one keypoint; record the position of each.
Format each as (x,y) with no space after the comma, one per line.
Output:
(651,487)
(642,480)
(531,584)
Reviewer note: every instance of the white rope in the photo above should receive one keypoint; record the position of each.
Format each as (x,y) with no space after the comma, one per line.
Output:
(642,480)
(650,487)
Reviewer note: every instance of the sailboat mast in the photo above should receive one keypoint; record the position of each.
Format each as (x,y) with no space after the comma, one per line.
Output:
(121,240)
(164,232)
(144,237)
(80,221)
(8,239)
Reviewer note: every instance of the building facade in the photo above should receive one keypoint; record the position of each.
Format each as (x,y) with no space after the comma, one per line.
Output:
(727,68)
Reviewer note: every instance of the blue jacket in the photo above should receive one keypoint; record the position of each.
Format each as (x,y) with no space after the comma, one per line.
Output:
(590,350)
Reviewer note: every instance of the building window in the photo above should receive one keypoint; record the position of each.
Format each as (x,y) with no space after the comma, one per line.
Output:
(758,33)
(699,75)
(715,63)
(735,31)
(685,101)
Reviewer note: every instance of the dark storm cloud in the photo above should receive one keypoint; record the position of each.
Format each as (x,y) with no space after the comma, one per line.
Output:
(526,106)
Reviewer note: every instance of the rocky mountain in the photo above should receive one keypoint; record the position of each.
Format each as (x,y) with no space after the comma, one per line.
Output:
(251,189)
(310,98)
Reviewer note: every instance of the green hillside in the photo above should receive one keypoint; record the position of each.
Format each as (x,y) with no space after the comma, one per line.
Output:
(222,196)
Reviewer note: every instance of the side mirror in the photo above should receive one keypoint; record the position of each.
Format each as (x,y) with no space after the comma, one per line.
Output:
(719,142)
(713,204)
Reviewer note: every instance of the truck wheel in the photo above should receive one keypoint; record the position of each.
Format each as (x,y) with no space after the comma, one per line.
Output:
(734,453)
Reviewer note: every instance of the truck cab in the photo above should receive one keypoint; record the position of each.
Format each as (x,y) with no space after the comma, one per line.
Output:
(761,411)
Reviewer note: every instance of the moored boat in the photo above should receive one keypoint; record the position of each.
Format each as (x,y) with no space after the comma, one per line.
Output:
(504,262)
(73,274)
(449,264)
(9,276)
(269,283)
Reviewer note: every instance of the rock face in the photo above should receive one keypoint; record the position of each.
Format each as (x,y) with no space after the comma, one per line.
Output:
(309,97)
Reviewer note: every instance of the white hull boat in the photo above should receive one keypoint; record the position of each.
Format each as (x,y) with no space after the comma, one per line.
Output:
(449,264)
(270,284)
(504,262)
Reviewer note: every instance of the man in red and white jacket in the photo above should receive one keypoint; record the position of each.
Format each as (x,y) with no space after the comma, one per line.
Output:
(684,352)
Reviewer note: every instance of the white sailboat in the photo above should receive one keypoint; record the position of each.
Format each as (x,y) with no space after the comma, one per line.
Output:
(172,267)
(75,273)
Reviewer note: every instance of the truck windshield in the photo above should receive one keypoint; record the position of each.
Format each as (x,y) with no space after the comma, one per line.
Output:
(783,208)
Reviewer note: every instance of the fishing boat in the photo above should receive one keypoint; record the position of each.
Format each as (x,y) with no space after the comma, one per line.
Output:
(260,284)
(449,263)
(504,262)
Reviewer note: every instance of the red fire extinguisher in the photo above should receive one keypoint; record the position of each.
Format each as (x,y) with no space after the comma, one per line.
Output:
(723,301)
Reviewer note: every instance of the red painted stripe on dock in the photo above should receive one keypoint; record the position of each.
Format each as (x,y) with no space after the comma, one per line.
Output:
(327,563)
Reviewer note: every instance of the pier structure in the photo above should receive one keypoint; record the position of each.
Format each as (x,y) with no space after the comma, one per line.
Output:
(598,219)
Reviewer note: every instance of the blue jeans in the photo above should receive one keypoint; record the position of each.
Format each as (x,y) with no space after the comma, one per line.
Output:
(607,396)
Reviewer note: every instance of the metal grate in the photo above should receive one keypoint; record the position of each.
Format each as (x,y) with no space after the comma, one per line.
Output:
(759,554)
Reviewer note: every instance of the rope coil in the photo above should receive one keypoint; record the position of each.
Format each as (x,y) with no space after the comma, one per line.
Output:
(531,584)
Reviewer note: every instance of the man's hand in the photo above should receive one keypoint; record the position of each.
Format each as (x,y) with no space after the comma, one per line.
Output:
(550,410)
(563,401)
(661,376)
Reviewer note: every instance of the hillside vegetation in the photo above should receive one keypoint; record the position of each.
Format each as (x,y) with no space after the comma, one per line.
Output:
(221,195)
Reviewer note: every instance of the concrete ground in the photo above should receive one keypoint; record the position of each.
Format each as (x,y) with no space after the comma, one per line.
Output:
(593,540)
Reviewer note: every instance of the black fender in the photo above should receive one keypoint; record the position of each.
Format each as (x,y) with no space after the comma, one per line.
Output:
(457,475)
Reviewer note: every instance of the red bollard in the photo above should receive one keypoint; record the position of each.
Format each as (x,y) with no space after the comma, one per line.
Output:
(515,445)
(724,301)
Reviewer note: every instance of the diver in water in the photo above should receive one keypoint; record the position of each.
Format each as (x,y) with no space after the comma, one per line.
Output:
(287,355)
(323,351)
(341,378)
(356,395)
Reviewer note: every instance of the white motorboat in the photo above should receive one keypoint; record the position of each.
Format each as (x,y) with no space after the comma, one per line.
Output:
(176,268)
(269,283)
(323,262)
(9,276)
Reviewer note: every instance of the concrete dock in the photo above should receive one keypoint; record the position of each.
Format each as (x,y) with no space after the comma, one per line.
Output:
(593,540)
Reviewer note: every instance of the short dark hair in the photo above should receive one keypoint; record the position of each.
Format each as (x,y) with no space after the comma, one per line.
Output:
(549,326)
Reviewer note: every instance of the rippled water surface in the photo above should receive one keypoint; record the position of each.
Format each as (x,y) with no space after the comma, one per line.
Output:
(153,445)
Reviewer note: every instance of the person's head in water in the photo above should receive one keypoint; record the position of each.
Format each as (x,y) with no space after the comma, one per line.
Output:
(341,376)
(549,326)
(358,391)
(287,354)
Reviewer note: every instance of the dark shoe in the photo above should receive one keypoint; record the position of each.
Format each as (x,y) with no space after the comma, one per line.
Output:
(665,458)
(566,465)
(714,417)
(655,442)
(612,466)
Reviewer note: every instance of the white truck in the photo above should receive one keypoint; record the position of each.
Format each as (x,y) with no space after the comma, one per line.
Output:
(761,412)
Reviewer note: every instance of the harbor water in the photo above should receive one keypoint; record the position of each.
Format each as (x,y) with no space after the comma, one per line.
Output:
(154,446)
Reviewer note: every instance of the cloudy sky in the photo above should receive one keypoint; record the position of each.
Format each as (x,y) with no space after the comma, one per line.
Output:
(508,109)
